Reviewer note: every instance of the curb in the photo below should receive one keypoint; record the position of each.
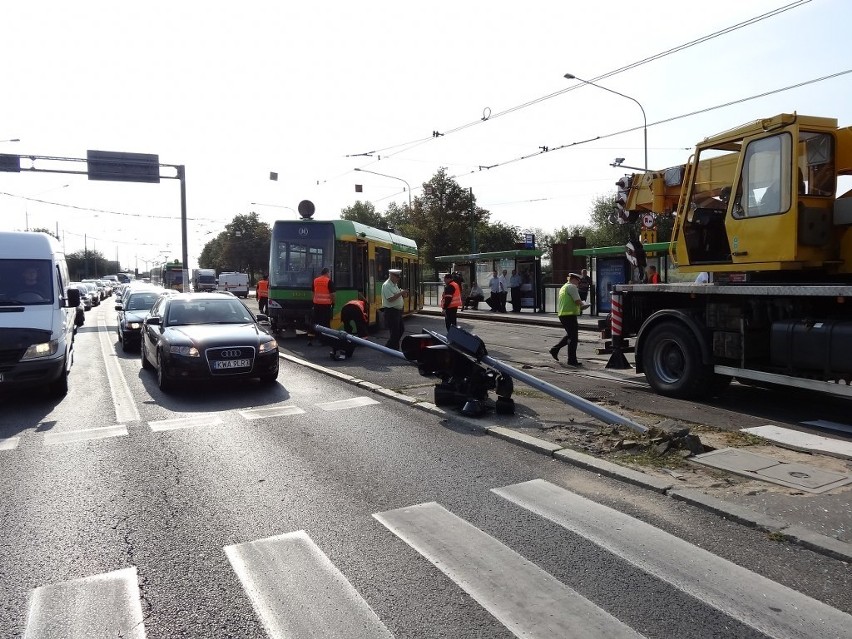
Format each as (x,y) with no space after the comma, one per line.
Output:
(816,542)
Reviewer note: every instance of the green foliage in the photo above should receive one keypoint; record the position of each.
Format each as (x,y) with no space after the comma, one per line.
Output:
(365,213)
(243,247)
(89,264)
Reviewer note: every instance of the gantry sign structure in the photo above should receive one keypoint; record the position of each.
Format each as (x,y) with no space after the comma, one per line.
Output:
(109,166)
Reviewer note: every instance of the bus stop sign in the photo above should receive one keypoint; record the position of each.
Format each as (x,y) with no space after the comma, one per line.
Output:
(115,166)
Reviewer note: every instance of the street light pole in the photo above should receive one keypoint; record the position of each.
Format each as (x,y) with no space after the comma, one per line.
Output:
(571,76)
(393,177)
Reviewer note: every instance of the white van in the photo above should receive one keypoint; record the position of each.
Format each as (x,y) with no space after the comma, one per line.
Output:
(37,313)
(236,283)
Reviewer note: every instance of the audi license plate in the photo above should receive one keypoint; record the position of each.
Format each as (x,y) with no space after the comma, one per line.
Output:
(231,363)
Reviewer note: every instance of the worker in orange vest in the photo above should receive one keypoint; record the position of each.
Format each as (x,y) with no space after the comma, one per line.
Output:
(323,301)
(354,318)
(263,294)
(452,300)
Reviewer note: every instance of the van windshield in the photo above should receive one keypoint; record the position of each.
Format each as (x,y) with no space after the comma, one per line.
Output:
(25,282)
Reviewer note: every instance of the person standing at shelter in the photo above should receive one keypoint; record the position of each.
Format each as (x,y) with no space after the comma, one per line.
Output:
(653,277)
(515,286)
(584,286)
(392,304)
(263,294)
(568,306)
(494,287)
(504,290)
(452,301)
(323,300)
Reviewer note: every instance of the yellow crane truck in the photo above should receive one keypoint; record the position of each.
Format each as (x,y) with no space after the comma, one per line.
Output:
(760,209)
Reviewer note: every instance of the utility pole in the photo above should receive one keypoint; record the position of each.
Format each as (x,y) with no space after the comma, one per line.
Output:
(472,222)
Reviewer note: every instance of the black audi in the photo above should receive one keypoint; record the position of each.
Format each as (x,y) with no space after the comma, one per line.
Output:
(203,336)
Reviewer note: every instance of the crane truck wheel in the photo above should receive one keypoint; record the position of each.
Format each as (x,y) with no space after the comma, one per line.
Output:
(672,360)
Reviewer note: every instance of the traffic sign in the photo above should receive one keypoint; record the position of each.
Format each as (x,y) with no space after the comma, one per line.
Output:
(648,220)
(115,166)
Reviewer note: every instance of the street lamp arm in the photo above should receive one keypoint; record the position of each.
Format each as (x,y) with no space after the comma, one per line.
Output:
(571,76)
(392,177)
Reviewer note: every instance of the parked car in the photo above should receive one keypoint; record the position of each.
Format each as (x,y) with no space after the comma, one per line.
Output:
(132,311)
(192,337)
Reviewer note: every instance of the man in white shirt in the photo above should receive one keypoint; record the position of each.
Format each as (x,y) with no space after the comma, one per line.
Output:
(494,287)
(504,290)
(515,286)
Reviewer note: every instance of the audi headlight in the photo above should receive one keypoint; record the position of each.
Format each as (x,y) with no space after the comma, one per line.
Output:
(271,345)
(134,325)
(186,351)
(45,349)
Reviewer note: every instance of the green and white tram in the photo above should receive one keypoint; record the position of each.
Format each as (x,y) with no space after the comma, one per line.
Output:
(357,255)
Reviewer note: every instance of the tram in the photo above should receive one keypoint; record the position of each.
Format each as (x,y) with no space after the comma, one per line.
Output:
(358,257)
(168,275)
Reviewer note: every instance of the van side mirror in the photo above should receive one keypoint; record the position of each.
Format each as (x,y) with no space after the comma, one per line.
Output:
(72,297)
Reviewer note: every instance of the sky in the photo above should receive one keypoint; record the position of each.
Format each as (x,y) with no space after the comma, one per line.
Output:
(312,91)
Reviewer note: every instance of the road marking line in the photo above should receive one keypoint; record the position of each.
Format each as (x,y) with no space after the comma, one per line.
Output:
(274,411)
(123,400)
(345,404)
(186,422)
(105,605)
(10,443)
(86,434)
(750,598)
(527,600)
(296,590)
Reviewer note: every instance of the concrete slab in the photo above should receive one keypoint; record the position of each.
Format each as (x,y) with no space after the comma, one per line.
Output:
(799,476)
(808,442)
(735,460)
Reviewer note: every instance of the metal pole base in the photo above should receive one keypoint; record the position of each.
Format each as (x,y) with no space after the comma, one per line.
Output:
(617,360)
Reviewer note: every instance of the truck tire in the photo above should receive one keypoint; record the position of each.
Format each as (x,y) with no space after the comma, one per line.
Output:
(672,359)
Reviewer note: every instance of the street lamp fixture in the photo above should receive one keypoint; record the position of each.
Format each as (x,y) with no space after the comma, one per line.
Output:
(571,76)
(392,177)
(12,140)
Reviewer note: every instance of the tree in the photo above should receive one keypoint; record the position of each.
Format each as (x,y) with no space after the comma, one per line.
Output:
(243,247)
(365,213)
(88,264)
(497,236)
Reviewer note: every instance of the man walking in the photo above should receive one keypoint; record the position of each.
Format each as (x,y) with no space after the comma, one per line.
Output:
(568,306)
(392,304)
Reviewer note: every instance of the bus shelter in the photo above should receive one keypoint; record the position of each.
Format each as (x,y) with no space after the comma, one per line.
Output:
(610,266)
(478,267)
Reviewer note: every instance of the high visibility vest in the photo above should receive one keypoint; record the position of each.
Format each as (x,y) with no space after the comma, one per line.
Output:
(456,299)
(361,305)
(263,288)
(321,293)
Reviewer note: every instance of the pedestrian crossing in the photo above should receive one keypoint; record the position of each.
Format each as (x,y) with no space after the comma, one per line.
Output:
(297,592)
(186,422)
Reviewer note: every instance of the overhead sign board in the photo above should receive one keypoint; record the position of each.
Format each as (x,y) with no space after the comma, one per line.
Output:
(10,163)
(115,166)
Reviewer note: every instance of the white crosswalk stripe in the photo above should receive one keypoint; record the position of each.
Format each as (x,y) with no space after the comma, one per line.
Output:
(298,593)
(105,605)
(9,443)
(523,597)
(754,600)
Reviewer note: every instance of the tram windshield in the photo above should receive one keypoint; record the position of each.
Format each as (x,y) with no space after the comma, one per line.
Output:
(300,250)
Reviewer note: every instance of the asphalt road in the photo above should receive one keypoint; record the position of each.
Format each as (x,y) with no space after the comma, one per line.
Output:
(316,508)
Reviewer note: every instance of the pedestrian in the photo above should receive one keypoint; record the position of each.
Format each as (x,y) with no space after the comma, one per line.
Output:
(584,286)
(474,297)
(451,301)
(515,286)
(568,306)
(504,290)
(392,305)
(263,294)
(323,288)
(494,286)
(653,277)
(353,315)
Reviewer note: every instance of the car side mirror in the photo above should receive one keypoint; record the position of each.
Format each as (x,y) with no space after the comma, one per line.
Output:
(153,321)
(119,307)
